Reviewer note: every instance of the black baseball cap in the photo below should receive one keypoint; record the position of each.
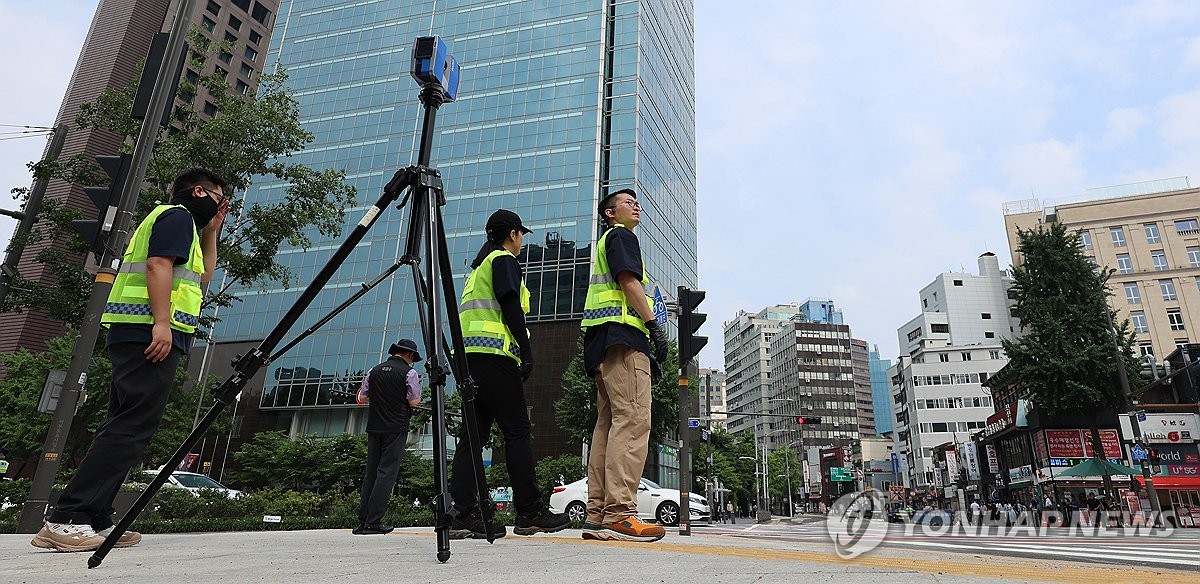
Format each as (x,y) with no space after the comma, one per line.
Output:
(405,345)
(604,200)
(504,220)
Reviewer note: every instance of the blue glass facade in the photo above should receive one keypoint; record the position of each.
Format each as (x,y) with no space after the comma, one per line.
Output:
(881,394)
(559,102)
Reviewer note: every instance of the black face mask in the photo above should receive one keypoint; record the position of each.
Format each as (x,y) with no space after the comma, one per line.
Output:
(203,209)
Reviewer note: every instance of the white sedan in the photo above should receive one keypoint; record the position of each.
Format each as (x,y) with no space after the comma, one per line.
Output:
(654,502)
(193,482)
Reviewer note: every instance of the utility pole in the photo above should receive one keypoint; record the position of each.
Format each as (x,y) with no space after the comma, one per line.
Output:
(708,428)
(34,511)
(27,218)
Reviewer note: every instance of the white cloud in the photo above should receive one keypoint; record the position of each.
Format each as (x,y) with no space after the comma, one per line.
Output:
(1121,126)
(1191,53)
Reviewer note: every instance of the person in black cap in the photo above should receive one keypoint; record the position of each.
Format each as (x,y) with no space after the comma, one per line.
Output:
(492,315)
(392,389)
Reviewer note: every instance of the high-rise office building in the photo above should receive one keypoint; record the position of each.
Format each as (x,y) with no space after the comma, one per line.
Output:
(861,361)
(946,353)
(881,395)
(712,395)
(116,44)
(559,103)
(1149,233)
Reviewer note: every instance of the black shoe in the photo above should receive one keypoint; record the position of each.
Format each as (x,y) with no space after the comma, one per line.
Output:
(375,529)
(358,529)
(470,526)
(542,521)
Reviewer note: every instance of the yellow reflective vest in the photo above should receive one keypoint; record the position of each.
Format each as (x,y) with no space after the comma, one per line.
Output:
(482,322)
(129,300)
(606,300)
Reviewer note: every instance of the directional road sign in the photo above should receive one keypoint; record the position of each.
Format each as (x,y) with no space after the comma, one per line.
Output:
(693,422)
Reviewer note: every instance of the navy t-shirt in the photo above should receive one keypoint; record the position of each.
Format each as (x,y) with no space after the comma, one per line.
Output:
(170,237)
(624,254)
(506,285)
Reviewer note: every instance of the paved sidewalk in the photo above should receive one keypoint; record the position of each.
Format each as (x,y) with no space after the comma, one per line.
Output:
(408,555)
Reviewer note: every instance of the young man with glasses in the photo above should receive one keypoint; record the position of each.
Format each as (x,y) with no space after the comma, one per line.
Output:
(619,331)
(152,313)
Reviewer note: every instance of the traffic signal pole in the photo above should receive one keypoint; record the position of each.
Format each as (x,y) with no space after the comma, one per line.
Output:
(34,511)
(689,347)
(28,216)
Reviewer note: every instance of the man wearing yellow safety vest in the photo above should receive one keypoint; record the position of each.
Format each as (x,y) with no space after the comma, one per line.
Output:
(492,315)
(619,330)
(152,313)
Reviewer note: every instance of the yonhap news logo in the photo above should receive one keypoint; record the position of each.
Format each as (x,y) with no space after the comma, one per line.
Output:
(857,523)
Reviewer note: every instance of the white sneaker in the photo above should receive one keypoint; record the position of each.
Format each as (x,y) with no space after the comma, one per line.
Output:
(129,538)
(67,537)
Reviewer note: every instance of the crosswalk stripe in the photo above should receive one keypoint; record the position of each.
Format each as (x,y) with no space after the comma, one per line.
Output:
(1192,561)
(1107,550)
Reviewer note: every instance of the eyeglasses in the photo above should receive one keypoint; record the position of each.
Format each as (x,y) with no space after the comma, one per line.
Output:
(633,204)
(218,197)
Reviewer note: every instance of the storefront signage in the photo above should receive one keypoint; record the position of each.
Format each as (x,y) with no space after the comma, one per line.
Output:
(952,465)
(1020,474)
(969,459)
(1165,428)
(1078,443)
(999,421)
(993,460)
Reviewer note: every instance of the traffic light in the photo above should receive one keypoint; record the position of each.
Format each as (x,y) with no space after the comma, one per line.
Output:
(106,198)
(689,322)
(808,419)
(1152,457)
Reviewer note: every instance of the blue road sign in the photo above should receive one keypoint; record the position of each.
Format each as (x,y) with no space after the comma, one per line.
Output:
(704,434)
(895,463)
(693,422)
(1141,416)
(660,307)
(1138,452)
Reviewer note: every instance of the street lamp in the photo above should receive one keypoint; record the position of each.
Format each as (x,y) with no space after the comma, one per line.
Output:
(757,482)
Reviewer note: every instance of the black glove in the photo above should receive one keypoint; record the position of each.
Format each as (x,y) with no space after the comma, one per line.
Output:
(658,341)
(526,369)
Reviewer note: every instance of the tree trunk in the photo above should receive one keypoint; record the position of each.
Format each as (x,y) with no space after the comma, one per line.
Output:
(1098,454)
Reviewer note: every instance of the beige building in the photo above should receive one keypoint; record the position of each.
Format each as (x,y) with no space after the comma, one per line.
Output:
(1150,234)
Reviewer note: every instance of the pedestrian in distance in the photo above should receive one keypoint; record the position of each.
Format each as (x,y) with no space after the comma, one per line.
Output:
(729,512)
(152,313)
(391,389)
(500,359)
(620,338)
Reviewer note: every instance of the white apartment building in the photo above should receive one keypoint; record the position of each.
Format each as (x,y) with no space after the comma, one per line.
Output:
(747,361)
(946,352)
(712,396)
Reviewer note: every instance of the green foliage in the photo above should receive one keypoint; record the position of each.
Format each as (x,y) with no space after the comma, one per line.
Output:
(559,470)
(575,411)
(308,462)
(778,463)
(729,468)
(252,136)
(497,476)
(1066,355)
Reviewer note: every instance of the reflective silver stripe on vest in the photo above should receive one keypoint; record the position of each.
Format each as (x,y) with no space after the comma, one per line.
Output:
(601,279)
(179,272)
(480,304)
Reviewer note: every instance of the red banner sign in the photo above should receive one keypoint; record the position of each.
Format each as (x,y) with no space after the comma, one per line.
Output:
(1078,443)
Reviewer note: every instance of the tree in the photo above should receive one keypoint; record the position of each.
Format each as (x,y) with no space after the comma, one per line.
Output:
(733,472)
(252,136)
(575,411)
(559,470)
(1065,356)
(778,463)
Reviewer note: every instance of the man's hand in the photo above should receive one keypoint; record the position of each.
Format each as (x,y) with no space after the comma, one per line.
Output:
(526,369)
(160,343)
(658,341)
(214,225)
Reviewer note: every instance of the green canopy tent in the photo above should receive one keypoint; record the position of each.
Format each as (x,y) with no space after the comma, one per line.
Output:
(1094,467)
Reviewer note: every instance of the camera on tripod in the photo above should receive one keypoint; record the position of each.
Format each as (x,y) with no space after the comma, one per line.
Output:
(432,63)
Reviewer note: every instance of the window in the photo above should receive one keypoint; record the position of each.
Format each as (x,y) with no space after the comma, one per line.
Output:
(255,37)
(1118,236)
(1147,349)
(914,334)
(989,335)
(1132,294)
(924,303)
(247,71)
(985,315)
(235,23)
(993,354)
(1187,226)
(1175,317)
(192,76)
(231,38)
(209,24)
(1160,260)
(944,357)
(1124,264)
(260,13)
(243,87)
(1152,235)
(939,328)
(958,282)
(966,355)
(1085,239)
(1194,256)
(224,57)
(243,4)
(1138,319)
(210,108)
(213,7)
(1168,290)
(251,54)
(223,73)
(1181,343)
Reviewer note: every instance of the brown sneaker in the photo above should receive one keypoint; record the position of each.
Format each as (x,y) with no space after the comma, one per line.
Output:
(127,539)
(633,529)
(67,537)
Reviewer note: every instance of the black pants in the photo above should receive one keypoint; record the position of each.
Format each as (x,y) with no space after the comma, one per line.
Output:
(384,452)
(501,398)
(136,402)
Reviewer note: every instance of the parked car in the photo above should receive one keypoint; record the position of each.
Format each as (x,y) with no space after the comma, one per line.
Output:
(654,502)
(194,482)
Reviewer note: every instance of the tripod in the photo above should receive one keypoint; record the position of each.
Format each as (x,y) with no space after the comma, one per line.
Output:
(425,226)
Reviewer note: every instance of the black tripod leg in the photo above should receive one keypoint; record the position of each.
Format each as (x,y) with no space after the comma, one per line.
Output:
(466,384)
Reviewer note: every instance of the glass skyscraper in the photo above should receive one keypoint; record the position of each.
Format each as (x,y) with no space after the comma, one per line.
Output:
(560,102)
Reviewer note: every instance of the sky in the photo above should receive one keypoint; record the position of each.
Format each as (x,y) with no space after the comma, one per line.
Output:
(849,150)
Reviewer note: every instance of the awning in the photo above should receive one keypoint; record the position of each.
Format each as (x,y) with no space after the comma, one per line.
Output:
(1174,482)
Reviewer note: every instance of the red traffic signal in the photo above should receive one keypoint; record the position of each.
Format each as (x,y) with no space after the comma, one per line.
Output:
(808,419)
